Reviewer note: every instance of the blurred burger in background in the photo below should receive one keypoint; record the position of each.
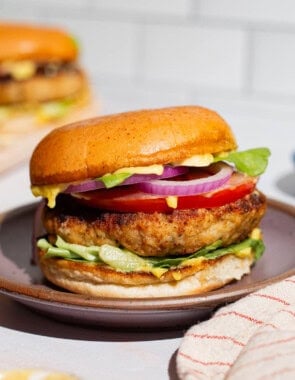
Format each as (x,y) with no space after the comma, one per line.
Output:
(42,84)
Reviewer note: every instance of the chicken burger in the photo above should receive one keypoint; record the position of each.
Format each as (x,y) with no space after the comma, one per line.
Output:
(42,86)
(150,203)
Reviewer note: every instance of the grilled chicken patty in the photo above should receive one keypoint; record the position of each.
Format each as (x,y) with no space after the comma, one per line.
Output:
(180,233)
(41,88)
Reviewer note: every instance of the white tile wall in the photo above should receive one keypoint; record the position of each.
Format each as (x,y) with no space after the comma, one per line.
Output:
(232,54)
(108,48)
(58,4)
(274,69)
(253,11)
(128,96)
(195,55)
(153,7)
(17,10)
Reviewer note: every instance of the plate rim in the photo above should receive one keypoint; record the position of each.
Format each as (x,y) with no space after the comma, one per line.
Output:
(42,294)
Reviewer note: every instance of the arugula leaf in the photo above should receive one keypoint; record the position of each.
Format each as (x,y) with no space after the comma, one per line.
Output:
(252,162)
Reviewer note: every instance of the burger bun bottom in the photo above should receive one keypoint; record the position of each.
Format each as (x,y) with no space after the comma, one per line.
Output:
(223,271)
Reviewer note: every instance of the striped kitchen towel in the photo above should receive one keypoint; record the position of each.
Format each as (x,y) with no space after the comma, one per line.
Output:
(253,338)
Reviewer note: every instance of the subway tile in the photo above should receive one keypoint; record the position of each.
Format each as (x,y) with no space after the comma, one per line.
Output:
(23,9)
(34,4)
(55,4)
(76,9)
(169,7)
(16,10)
(121,95)
(246,107)
(12,17)
(273,63)
(107,48)
(153,59)
(195,56)
(277,11)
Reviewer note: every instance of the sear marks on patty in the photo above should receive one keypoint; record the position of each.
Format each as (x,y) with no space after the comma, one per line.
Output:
(179,233)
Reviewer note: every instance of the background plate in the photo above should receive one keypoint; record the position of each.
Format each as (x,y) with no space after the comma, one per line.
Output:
(22,281)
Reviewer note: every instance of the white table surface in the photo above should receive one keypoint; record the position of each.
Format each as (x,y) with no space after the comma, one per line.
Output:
(31,340)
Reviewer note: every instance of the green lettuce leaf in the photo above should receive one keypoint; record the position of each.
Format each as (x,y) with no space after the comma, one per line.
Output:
(66,250)
(54,110)
(112,180)
(125,260)
(214,251)
(174,261)
(252,162)
(75,42)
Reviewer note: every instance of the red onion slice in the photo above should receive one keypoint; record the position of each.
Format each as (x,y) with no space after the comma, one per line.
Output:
(85,186)
(189,187)
(168,172)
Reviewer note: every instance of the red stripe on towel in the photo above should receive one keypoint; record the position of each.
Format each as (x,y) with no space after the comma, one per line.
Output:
(196,372)
(217,337)
(218,363)
(276,373)
(272,298)
(262,345)
(260,360)
(245,316)
(288,311)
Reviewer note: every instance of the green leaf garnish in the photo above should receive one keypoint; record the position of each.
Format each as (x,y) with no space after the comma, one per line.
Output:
(54,110)
(213,252)
(257,247)
(75,42)
(122,259)
(252,162)
(66,250)
(174,261)
(112,180)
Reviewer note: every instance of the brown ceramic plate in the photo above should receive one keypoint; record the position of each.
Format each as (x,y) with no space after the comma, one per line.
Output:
(23,282)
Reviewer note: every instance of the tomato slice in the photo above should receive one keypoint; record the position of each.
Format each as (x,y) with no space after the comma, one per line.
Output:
(130,199)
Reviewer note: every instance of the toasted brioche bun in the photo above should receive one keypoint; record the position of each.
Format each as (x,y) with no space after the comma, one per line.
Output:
(94,147)
(21,42)
(101,281)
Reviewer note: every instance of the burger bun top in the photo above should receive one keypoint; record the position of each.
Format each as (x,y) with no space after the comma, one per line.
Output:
(94,147)
(37,43)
